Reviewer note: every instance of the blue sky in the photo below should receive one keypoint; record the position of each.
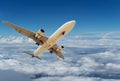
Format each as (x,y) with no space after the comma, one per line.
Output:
(90,15)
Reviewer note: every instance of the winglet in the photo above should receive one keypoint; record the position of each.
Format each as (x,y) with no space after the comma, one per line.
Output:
(4,22)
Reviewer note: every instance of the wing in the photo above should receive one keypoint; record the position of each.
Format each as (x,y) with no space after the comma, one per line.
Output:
(58,53)
(27,33)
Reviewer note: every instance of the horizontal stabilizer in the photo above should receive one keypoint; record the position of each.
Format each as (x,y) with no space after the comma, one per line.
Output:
(31,54)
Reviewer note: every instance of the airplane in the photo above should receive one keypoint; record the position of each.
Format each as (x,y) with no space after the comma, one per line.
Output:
(45,42)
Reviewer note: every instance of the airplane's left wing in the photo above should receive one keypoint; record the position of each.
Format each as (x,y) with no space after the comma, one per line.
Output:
(27,33)
(21,30)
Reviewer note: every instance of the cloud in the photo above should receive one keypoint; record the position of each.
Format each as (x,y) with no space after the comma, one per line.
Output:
(93,40)
(14,39)
(86,59)
(83,40)
(13,76)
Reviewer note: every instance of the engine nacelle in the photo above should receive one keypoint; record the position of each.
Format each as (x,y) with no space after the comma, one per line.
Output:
(60,48)
(39,33)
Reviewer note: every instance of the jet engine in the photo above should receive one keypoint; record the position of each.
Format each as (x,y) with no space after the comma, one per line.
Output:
(39,33)
(60,48)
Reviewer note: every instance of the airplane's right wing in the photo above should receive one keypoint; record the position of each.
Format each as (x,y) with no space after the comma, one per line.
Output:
(58,53)
(27,33)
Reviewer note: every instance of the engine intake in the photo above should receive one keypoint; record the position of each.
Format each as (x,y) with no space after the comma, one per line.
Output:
(39,33)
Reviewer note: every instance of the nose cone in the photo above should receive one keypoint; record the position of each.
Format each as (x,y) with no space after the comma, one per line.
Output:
(73,22)
(69,26)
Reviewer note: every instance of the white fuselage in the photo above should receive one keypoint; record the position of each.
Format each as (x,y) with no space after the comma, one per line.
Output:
(62,31)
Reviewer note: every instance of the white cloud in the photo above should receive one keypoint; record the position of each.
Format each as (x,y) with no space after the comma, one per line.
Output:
(113,66)
(83,40)
(86,59)
(93,40)
(13,39)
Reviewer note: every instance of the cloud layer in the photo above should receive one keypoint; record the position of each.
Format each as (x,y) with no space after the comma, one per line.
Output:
(94,57)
